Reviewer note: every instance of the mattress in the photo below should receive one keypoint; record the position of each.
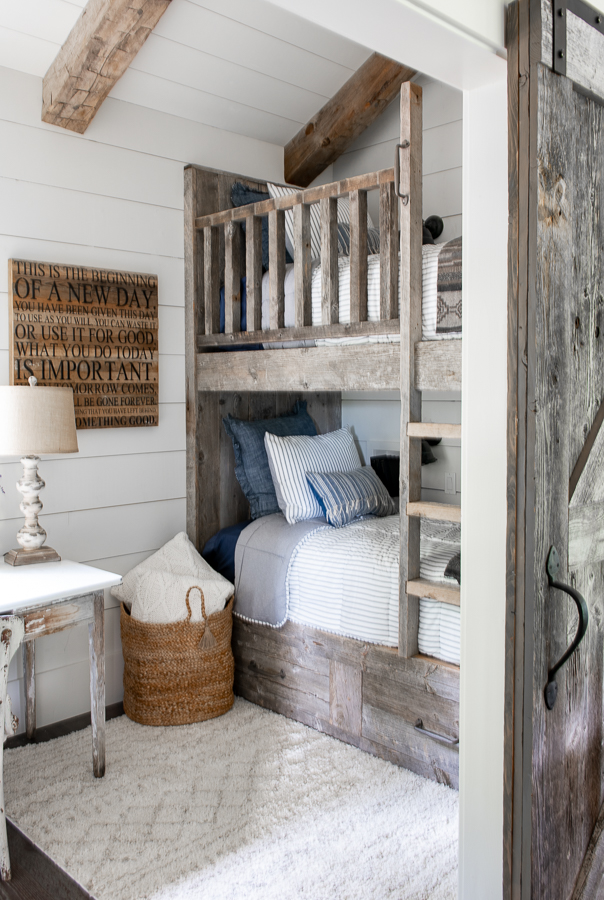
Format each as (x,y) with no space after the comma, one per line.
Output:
(346,580)
(430,257)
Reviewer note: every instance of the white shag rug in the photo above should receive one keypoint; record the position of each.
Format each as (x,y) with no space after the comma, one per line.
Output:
(248,805)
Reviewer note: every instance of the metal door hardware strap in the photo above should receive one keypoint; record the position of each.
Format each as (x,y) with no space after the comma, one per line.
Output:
(579,8)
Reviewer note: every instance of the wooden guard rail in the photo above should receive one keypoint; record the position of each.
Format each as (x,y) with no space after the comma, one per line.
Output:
(235,259)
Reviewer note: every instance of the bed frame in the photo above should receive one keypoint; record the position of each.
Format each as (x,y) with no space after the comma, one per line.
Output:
(394,703)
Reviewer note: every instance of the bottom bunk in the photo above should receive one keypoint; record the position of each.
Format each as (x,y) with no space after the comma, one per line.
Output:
(363,694)
(331,667)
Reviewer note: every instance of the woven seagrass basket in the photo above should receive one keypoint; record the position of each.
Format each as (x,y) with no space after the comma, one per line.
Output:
(181,672)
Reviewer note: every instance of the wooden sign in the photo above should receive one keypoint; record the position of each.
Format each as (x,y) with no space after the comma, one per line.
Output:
(94,330)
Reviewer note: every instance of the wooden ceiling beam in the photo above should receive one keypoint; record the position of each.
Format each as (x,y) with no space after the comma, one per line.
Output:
(100,47)
(357,104)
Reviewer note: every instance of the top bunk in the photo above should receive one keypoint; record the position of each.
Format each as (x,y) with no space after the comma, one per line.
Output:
(340,314)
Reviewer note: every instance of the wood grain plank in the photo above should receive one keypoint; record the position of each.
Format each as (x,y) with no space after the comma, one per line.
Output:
(370,367)
(96,643)
(350,111)
(358,256)
(207,462)
(276,252)
(211,280)
(232,278)
(194,201)
(446,593)
(345,697)
(411,333)
(585,534)
(441,512)
(433,430)
(233,505)
(307,332)
(330,309)
(342,188)
(100,47)
(437,365)
(253,273)
(302,265)
(389,242)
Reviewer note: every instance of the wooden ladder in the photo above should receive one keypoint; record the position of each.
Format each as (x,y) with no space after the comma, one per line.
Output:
(412,508)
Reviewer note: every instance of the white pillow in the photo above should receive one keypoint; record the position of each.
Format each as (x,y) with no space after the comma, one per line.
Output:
(156,589)
(276,190)
(290,458)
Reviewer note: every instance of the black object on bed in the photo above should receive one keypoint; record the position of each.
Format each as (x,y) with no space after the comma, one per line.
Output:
(387,467)
(453,569)
(219,552)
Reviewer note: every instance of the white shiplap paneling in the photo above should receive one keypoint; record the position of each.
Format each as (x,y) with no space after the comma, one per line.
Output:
(112,198)
(248,68)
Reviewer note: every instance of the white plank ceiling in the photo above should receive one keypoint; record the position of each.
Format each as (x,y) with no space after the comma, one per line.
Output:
(244,66)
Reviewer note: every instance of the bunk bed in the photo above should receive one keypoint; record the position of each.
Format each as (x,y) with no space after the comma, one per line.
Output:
(390,701)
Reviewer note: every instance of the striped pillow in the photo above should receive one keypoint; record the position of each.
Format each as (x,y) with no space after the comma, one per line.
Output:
(277,190)
(346,495)
(291,458)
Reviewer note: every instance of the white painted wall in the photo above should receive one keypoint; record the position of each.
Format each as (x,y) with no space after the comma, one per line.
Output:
(112,198)
(484,419)
(375,419)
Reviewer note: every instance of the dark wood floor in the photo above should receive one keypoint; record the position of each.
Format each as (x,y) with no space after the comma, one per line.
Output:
(35,876)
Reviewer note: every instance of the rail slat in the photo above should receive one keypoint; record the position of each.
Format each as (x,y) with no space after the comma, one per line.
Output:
(276,268)
(302,265)
(330,310)
(211,279)
(253,273)
(358,256)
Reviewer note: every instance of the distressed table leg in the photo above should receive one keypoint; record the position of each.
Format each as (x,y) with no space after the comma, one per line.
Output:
(96,641)
(11,635)
(29,681)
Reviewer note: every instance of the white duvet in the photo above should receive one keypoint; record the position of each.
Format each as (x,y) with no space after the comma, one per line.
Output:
(430,253)
(345,580)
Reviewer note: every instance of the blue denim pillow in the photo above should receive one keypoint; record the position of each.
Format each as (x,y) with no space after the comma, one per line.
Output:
(343,496)
(251,462)
(241,195)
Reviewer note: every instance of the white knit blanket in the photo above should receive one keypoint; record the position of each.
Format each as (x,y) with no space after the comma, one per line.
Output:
(155,590)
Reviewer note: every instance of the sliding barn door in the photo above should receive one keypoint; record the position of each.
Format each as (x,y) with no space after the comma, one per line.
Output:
(556,536)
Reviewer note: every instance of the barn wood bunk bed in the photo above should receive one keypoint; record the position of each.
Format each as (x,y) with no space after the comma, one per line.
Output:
(392,702)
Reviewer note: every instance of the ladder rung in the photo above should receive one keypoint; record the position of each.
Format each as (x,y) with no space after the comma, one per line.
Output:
(446,593)
(442,512)
(433,430)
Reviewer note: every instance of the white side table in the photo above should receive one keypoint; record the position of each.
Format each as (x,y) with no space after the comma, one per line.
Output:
(46,598)
(50,597)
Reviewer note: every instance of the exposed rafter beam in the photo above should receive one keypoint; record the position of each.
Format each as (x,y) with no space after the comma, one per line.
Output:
(343,118)
(99,49)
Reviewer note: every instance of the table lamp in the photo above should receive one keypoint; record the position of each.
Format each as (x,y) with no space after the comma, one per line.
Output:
(34,420)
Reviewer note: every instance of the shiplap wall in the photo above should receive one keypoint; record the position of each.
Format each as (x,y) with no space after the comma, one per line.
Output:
(112,198)
(375,419)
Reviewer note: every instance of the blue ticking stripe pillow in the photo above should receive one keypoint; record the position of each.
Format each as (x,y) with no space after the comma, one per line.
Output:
(251,463)
(292,458)
(346,495)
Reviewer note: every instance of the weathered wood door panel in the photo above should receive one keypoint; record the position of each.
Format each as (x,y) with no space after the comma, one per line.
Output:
(555,786)
(567,752)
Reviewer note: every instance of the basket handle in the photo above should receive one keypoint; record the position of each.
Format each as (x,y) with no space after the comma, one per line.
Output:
(208,640)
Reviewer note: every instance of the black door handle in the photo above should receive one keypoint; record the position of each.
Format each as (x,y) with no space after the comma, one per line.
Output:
(553,568)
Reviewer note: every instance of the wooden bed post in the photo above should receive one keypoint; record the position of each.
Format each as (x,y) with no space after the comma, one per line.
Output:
(410,210)
(194,325)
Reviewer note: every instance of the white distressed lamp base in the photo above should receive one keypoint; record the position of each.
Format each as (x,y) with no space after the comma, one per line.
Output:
(23,557)
(32,536)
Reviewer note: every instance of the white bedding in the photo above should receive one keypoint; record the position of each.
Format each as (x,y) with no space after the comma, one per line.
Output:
(439,623)
(429,298)
(345,580)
